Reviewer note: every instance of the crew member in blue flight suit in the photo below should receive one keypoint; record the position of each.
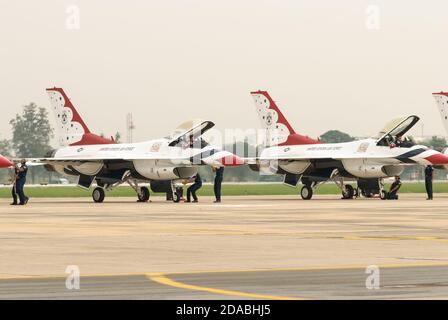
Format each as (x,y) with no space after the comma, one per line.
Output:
(219,176)
(429,173)
(19,184)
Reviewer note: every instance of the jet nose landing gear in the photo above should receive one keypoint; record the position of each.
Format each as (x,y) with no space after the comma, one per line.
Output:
(143,195)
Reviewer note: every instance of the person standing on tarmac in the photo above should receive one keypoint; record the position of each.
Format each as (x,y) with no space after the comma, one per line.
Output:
(429,173)
(219,176)
(19,184)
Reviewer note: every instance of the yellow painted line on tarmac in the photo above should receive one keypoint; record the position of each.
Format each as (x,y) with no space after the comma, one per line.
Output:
(162,279)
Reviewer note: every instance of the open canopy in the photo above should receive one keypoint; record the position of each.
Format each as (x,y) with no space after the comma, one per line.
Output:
(398,127)
(192,128)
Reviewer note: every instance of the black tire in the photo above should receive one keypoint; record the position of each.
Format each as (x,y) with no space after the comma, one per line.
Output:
(98,195)
(144,194)
(306,193)
(349,192)
(176,197)
(383,195)
(367,194)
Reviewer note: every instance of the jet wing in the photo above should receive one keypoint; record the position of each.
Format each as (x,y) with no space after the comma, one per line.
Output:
(80,160)
(411,156)
(210,157)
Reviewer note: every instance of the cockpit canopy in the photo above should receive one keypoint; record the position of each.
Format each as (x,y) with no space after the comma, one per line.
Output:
(396,128)
(192,129)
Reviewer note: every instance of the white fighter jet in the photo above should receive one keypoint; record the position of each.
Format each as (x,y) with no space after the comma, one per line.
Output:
(161,162)
(367,161)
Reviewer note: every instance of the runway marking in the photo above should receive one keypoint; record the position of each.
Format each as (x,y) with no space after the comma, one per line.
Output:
(162,279)
(156,274)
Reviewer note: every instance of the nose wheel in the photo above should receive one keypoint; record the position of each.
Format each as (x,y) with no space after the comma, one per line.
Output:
(348,192)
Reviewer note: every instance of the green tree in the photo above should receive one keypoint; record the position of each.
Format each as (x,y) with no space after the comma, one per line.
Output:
(335,136)
(32,133)
(435,143)
(5,150)
(118,137)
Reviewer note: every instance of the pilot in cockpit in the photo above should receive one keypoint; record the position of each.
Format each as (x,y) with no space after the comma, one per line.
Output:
(187,143)
(190,142)
(394,142)
(398,141)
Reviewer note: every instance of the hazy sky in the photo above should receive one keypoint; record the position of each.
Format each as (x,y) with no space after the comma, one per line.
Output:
(167,61)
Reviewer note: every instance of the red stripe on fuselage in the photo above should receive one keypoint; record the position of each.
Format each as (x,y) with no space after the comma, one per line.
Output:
(297,139)
(91,139)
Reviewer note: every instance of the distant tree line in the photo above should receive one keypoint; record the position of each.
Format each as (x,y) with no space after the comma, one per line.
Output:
(31,136)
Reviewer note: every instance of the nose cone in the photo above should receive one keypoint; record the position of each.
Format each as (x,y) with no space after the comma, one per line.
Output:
(231,160)
(5,163)
(438,159)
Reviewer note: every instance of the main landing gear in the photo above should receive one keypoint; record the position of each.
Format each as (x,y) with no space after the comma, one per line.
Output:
(348,191)
(308,188)
(99,193)
(307,192)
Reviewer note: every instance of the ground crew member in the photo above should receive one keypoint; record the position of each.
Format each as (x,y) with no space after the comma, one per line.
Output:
(396,185)
(19,184)
(219,176)
(429,173)
(193,188)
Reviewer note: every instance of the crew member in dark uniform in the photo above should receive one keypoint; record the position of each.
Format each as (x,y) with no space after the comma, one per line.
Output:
(20,180)
(193,188)
(396,185)
(219,176)
(429,172)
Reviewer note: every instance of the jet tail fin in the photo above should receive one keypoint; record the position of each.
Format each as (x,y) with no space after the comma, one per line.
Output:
(442,104)
(72,129)
(278,130)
